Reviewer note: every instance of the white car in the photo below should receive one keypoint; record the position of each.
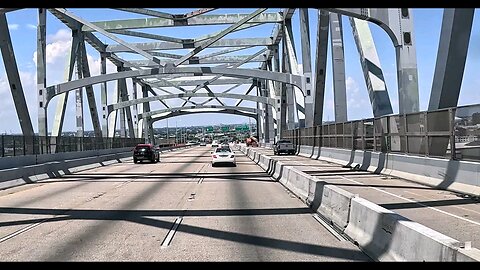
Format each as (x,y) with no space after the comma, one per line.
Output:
(223,155)
(214,144)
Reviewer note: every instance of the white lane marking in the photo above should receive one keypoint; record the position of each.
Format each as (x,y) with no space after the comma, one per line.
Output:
(29,227)
(419,203)
(171,233)
(330,229)
(456,206)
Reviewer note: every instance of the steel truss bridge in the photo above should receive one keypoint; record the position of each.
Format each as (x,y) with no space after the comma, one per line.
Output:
(272,85)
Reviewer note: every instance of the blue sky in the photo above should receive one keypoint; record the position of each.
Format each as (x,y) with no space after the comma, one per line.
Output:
(427,23)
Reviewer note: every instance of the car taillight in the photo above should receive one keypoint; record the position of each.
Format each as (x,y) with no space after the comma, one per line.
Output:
(214,156)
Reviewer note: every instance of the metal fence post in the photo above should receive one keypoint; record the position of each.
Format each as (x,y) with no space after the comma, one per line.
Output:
(453,149)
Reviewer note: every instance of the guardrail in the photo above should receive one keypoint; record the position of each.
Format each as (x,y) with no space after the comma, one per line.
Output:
(452,133)
(18,145)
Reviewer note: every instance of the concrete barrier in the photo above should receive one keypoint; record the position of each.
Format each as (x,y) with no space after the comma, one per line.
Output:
(387,236)
(75,162)
(335,205)
(380,233)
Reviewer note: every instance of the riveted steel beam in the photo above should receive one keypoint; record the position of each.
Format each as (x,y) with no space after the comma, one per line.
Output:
(198,20)
(150,46)
(296,80)
(124,104)
(13,76)
(152,113)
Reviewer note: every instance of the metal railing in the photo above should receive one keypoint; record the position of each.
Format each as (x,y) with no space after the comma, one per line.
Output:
(18,145)
(448,133)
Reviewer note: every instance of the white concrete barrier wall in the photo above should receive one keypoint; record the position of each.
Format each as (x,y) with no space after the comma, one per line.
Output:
(387,236)
(381,233)
(335,205)
(296,181)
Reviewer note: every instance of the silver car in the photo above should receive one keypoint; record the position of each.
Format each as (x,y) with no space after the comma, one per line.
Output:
(223,155)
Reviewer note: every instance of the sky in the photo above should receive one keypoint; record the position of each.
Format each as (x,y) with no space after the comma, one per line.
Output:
(427,26)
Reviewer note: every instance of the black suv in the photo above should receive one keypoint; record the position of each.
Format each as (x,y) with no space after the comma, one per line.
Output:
(146,152)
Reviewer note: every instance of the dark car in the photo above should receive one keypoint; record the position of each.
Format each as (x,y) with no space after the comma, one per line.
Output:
(283,146)
(146,152)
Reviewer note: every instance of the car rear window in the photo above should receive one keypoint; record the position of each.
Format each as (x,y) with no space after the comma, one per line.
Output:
(219,150)
(142,147)
(284,141)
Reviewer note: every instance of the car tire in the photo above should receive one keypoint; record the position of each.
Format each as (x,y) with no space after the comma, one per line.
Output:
(135,160)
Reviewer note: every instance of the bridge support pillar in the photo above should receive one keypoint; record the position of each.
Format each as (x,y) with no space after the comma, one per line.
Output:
(320,66)
(339,84)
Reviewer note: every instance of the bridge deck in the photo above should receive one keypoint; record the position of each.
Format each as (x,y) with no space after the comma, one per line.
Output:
(125,212)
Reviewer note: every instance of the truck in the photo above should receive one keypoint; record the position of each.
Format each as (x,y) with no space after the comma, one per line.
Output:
(251,141)
(283,146)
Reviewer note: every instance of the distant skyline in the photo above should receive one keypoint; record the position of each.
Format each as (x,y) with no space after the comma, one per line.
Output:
(427,23)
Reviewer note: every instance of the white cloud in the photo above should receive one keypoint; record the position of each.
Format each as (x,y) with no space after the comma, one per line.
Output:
(61,35)
(8,111)
(31,26)
(13,26)
(351,85)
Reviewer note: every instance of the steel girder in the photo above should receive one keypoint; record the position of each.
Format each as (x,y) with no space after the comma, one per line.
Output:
(451,57)
(398,24)
(224,111)
(296,80)
(199,20)
(152,113)
(13,76)
(372,70)
(320,65)
(124,104)
(338,67)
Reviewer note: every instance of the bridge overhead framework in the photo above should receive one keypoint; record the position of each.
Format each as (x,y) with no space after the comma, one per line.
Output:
(164,69)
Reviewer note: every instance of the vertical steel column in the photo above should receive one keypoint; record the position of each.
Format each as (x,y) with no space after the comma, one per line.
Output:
(260,114)
(63,98)
(104,94)
(307,66)
(123,131)
(13,76)
(451,57)
(279,95)
(42,79)
(146,108)
(321,66)
(135,109)
(372,70)
(407,74)
(112,122)
(339,84)
(79,102)
(126,111)
(298,107)
(288,88)
(270,112)
(92,105)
